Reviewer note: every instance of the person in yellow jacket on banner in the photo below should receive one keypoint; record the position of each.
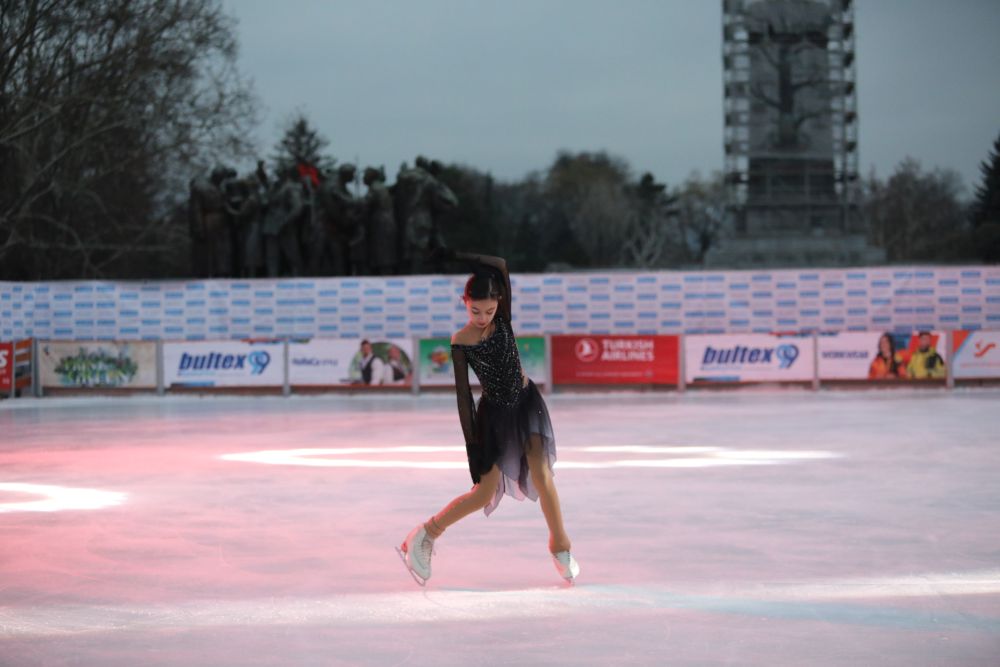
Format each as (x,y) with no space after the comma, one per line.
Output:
(925,362)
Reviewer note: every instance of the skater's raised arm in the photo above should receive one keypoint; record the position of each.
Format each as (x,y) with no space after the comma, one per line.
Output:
(466,406)
(499,265)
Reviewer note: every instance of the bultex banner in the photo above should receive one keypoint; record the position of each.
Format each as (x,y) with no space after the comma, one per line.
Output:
(748,358)
(223,364)
(976,354)
(351,361)
(615,360)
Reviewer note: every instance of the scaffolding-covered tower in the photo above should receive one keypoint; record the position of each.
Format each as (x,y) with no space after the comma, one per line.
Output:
(791,135)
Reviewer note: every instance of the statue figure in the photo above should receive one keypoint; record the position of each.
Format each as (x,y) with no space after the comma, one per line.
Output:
(419,198)
(380,222)
(210,226)
(334,225)
(245,200)
(286,208)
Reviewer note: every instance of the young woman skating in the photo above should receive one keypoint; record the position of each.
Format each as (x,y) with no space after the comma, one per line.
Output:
(508,435)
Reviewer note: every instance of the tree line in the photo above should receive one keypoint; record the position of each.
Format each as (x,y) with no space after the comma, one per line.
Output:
(109,108)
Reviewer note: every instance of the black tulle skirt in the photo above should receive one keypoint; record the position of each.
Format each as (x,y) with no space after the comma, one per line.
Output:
(504,435)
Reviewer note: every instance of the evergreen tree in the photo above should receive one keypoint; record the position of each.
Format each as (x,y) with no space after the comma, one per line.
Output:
(301,144)
(986,209)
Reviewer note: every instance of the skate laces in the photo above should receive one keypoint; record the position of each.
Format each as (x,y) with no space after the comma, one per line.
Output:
(426,548)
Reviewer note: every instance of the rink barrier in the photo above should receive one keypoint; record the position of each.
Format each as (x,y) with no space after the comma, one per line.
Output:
(603,302)
(699,360)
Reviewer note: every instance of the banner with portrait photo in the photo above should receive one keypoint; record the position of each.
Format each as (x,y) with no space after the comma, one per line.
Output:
(436,369)
(976,354)
(879,356)
(224,363)
(97,364)
(748,358)
(374,362)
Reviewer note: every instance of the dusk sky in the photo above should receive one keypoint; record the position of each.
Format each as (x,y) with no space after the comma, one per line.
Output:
(503,86)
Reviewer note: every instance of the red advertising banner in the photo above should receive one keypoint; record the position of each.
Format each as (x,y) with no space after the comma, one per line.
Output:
(22,363)
(615,360)
(15,365)
(6,366)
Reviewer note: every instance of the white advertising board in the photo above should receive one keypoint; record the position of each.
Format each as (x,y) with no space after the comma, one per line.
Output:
(854,355)
(977,354)
(332,362)
(748,358)
(223,364)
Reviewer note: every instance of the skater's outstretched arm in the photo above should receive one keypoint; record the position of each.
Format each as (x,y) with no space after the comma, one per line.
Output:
(499,265)
(466,408)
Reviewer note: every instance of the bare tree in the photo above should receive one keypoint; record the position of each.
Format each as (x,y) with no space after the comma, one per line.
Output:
(106,109)
(701,214)
(653,240)
(917,215)
(589,191)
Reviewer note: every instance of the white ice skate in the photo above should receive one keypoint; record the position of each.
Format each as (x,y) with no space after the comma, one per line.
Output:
(566,565)
(416,551)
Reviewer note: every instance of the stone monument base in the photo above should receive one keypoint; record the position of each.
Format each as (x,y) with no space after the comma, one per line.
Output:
(787,251)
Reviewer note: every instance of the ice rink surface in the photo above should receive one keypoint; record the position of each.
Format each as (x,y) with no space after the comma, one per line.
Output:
(767,527)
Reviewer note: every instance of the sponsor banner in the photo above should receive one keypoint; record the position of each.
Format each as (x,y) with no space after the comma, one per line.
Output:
(614,359)
(873,355)
(976,354)
(97,364)
(346,361)
(223,363)
(748,358)
(849,356)
(22,364)
(6,366)
(436,369)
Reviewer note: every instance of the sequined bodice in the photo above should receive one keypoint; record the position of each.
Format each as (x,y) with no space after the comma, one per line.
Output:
(497,364)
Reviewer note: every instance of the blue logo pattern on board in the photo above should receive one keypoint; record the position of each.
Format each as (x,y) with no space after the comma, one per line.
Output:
(793,301)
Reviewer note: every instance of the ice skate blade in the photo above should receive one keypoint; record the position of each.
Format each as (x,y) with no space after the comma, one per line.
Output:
(416,577)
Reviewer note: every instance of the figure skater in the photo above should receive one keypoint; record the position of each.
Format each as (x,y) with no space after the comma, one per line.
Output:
(508,436)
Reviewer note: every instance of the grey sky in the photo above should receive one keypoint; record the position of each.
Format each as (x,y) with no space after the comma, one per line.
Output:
(503,86)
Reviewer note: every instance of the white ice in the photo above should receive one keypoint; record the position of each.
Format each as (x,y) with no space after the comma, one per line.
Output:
(761,527)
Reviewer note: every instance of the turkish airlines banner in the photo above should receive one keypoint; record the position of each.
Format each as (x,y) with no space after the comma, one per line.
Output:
(223,363)
(615,360)
(748,358)
(976,354)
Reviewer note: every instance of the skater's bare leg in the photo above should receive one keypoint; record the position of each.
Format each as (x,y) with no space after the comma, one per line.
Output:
(547,495)
(465,504)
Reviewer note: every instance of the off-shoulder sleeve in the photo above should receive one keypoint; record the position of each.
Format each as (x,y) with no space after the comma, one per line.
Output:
(466,406)
(499,265)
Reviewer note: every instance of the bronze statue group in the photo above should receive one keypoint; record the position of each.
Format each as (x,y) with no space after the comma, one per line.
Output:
(304,221)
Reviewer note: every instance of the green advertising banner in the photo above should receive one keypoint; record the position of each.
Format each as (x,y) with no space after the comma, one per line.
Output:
(435,361)
(98,364)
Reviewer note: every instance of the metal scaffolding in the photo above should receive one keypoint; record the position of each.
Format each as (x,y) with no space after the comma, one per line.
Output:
(790,114)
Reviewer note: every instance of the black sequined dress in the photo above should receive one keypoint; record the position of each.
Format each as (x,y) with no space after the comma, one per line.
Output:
(510,410)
